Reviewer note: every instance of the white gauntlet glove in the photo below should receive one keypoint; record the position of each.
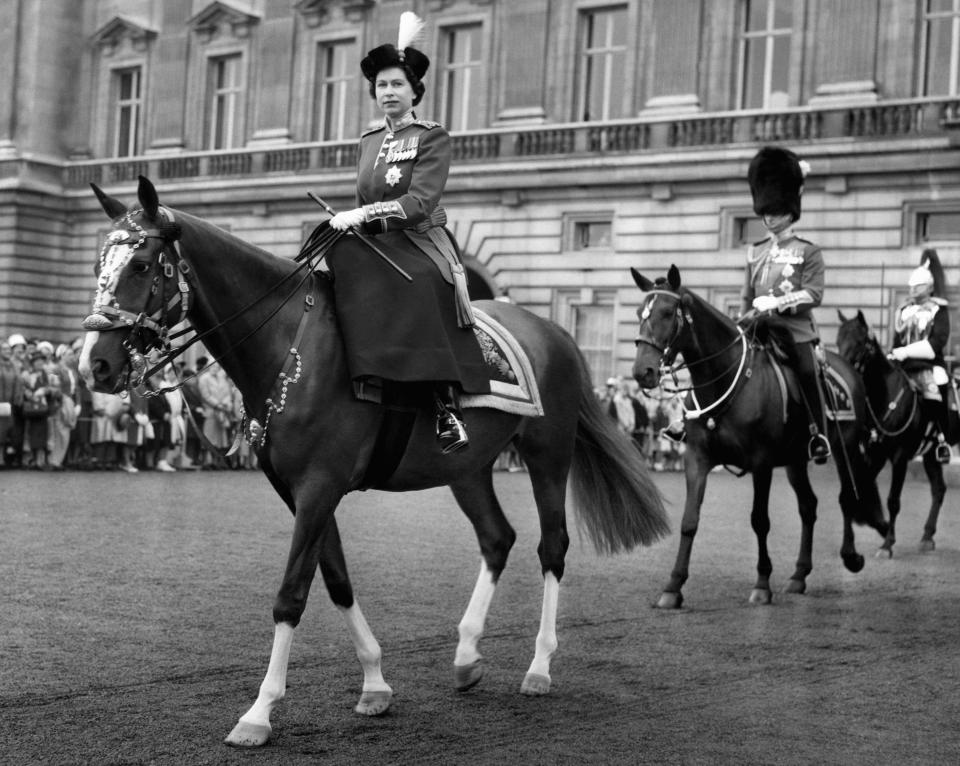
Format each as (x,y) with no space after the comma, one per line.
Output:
(347,219)
(765,303)
(920,349)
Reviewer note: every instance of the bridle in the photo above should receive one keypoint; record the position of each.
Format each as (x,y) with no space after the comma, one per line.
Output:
(865,351)
(669,368)
(148,330)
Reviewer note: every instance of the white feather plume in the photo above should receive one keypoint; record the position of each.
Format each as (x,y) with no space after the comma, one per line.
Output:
(411,26)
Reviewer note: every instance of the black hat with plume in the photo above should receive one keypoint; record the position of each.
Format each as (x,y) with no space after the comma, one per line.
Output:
(401,54)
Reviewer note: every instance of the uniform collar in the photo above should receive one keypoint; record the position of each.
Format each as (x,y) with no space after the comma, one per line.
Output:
(402,122)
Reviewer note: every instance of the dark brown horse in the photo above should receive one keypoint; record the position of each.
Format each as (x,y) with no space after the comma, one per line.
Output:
(273,327)
(741,414)
(899,423)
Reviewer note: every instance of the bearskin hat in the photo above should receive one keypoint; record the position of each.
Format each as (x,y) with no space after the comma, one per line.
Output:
(776,182)
(399,55)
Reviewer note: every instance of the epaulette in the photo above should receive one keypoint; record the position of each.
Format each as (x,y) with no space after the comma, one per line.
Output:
(939,301)
(374,129)
(426,124)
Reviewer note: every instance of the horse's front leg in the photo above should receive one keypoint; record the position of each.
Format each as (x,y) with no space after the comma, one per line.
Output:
(898,474)
(310,521)
(760,523)
(696,469)
(807,507)
(938,490)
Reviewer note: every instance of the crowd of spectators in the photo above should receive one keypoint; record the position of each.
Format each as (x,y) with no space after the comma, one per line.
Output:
(642,415)
(50,420)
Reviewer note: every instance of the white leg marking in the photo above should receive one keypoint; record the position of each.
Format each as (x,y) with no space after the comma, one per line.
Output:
(547,637)
(254,726)
(377,693)
(474,619)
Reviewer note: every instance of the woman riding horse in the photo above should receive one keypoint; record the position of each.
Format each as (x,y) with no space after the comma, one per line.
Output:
(399,333)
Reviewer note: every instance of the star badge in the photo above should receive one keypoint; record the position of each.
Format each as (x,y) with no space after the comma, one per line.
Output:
(393,176)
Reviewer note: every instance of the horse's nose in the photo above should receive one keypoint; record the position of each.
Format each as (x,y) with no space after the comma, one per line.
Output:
(645,375)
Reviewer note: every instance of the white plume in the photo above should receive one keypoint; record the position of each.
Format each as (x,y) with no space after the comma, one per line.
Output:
(411,26)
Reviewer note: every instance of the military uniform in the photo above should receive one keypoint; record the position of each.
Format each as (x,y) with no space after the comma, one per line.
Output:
(928,320)
(396,330)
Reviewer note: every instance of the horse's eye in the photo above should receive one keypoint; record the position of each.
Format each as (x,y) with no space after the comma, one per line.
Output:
(139,267)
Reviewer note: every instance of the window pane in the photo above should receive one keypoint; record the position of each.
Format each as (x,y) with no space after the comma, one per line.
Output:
(334,79)
(783,14)
(938,226)
(756,14)
(602,64)
(753,66)
(939,45)
(126,113)
(591,234)
(462,77)
(224,118)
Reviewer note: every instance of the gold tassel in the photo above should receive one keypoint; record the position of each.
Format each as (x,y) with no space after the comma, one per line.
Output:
(462,296)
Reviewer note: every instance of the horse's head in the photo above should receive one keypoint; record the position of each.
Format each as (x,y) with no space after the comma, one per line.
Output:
(855,342)
(664,318)
(141,292)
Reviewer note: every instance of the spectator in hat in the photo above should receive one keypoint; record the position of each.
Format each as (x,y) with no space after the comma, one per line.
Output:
(63,418)
(11,397)
(39,397)
(428,344)
(18,347)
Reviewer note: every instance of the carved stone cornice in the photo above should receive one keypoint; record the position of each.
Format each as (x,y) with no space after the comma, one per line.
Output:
(317,12)
(109,37)
(208,22)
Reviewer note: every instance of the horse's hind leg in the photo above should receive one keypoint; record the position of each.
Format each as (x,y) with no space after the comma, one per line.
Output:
(807,507)
(760,522)
(478,501)
(548,474)
(938,490)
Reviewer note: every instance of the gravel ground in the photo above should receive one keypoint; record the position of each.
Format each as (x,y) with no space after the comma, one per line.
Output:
(136,629)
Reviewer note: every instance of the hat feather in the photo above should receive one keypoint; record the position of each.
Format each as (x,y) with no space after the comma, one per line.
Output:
(411,26)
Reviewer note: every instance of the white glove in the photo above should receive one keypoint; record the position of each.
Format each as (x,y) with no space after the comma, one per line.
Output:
(347,219)
(765,303)
(898,354)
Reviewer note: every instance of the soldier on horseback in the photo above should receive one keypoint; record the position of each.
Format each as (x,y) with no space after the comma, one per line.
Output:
(921,332)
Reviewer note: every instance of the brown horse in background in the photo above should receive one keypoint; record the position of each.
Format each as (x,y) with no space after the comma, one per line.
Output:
(744,419)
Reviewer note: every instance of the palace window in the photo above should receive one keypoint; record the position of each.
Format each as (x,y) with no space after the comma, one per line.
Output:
(461,78)
(941,48)
(591,235)
(334,105)
(765,53)
(602,76)
(225,102)
(940,225)
(128,104)
(590,317)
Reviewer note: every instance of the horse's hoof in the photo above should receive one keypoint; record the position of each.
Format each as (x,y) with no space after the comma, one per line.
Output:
(853,562)
(760,596)
(248,735)
(670,600)
(467,676)
(927,545)
(883,553)
(795,586)
(374,702)
(535,685)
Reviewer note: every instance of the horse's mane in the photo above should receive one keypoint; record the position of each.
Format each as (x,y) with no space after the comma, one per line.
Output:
(239,248)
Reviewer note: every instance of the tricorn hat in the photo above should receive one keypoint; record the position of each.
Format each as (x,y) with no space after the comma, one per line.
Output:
(401,54)
(776,181)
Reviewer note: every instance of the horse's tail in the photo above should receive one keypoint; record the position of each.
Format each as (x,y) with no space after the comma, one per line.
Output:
(615,498)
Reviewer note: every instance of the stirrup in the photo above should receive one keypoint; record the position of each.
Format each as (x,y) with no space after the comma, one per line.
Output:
(451,432)
(818,449)
(943,452)
(675,432)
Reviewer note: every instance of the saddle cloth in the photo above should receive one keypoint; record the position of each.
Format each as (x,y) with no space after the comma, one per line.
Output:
(837,397)
(513,387)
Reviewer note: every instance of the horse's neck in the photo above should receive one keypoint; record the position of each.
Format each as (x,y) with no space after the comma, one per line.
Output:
(881,379)
(713,353)
(228,278)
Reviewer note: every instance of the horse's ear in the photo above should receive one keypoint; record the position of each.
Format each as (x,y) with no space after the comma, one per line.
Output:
(673,277)
(861,317)
(112,207)
(642,282)
(841,316)
(148,197)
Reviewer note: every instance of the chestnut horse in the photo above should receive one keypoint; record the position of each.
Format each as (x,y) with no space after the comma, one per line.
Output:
(744,417)
(272,325)
(899,424)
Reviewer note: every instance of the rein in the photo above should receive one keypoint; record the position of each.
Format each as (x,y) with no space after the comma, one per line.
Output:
(667,368)
(871,350)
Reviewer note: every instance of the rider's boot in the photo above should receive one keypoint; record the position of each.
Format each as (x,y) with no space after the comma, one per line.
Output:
(808,371)
(451,431)
(942,420)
